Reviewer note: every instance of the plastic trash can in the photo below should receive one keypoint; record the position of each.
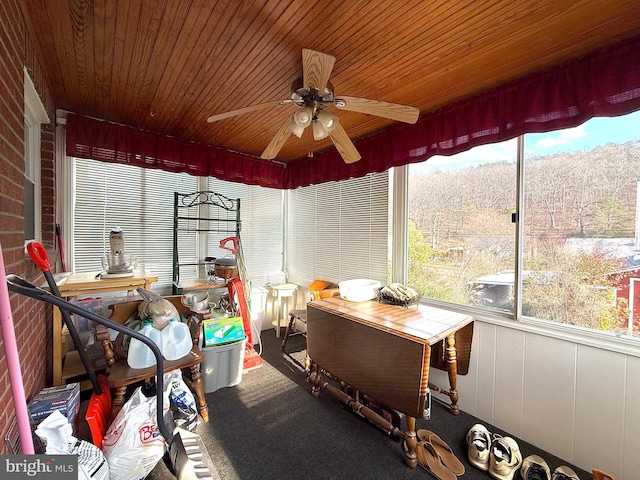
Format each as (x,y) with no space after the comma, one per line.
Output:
(222,365)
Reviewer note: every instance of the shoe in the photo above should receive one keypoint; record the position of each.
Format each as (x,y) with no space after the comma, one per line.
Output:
(564,473)
(504,458)
(429,459)
(447,456)
(479,442)
(535,468)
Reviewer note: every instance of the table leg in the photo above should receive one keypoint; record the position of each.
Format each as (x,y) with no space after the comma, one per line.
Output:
(410,443)
(452,370)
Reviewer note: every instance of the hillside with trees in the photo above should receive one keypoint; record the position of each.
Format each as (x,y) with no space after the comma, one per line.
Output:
(462,227)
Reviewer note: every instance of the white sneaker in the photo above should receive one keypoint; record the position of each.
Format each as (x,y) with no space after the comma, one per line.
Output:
(504,458)
(479,443)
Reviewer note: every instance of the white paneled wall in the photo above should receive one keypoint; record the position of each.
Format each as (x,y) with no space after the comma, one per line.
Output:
(578,402)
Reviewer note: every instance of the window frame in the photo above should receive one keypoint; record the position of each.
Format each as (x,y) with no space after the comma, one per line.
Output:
(514,320)
(34,116)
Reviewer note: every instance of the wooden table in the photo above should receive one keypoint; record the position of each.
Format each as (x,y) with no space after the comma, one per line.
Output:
(68,365)
(381,352)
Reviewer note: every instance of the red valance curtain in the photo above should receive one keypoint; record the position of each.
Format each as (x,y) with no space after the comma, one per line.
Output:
(603,83)
(110,142)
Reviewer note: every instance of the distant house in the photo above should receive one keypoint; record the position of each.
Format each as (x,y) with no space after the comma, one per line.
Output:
(627,282)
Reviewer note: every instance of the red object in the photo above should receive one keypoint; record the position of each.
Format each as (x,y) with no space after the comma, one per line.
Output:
(236,290)
(605,82)
(39,256)
(235,240)
(60,249)
(98,412)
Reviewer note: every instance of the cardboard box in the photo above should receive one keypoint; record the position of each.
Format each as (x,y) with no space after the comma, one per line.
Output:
(65,398)
(219,331)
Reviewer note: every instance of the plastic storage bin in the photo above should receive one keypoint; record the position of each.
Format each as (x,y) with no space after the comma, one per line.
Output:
(222,365)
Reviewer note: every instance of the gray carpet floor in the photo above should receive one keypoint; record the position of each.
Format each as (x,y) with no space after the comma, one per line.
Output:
(270,427)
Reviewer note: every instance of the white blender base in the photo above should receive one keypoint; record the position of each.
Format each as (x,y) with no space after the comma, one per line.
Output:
(116,275)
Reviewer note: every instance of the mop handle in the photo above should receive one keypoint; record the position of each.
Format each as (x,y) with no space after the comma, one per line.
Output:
(235,240)
(13,362)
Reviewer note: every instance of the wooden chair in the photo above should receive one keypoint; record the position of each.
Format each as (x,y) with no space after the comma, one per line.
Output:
(120,375)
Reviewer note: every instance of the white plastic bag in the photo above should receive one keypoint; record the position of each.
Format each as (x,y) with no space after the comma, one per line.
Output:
(133,444)
(184,412)
(56,431)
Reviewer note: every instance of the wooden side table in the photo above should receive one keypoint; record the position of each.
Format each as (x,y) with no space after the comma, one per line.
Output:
(68,365)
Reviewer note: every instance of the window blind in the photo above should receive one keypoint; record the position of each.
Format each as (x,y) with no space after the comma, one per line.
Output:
(339,230)
(140,201)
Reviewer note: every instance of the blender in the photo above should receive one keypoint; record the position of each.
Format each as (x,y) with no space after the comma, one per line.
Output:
(117,263)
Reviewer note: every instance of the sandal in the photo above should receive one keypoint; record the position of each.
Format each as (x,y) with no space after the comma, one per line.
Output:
(429,459)
(449,458)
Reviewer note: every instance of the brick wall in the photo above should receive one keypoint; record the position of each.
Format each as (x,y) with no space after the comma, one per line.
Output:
(31,318)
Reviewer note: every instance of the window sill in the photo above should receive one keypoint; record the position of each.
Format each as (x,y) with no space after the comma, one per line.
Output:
(581,336)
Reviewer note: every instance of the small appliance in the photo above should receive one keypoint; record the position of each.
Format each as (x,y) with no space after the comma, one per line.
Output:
(117,263)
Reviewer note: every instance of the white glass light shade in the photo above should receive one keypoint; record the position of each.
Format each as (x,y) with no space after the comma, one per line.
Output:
(319,132)
(296,129)
(303,117)
(327,120)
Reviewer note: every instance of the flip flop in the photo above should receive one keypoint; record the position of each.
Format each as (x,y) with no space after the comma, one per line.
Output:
(429,459)
(449,459)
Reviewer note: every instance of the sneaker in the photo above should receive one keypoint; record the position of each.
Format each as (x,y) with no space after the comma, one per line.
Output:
(564,473)
(504,458)
(535,468)
(479,442)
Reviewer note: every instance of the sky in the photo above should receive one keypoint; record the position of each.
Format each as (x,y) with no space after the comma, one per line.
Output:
(594,132)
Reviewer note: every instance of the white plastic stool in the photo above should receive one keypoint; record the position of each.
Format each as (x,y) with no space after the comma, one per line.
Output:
(282,291)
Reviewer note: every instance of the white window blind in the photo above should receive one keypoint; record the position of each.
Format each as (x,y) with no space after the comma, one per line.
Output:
(138,200)
(339,230)
(141,202)
(262,228)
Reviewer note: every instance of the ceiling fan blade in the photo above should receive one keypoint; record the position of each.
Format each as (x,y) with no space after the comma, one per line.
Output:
(316,68)
(394,111)
(344,145)
(241,111)
(278,140)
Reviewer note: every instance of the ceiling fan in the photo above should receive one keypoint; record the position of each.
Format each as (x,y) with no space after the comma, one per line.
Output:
(312,94)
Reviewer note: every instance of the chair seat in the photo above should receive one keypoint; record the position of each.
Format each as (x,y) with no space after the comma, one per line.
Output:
(121,374)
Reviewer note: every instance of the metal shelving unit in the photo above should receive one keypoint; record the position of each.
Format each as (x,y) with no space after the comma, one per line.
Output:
(200,221)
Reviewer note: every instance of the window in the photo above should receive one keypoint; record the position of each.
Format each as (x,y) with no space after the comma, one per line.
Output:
(338,230)
(461,235)
(579,258)
(140,201)
(580,225)
(34,115)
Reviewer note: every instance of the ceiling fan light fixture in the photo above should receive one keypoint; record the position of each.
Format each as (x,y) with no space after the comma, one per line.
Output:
(319,132)
(303,117)
(327,120)
(296,129)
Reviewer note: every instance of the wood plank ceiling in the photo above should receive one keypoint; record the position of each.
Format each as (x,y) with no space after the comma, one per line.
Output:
(166,65)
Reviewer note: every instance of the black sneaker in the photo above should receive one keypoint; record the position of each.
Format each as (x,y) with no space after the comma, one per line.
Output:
(535,468)
(564,473)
